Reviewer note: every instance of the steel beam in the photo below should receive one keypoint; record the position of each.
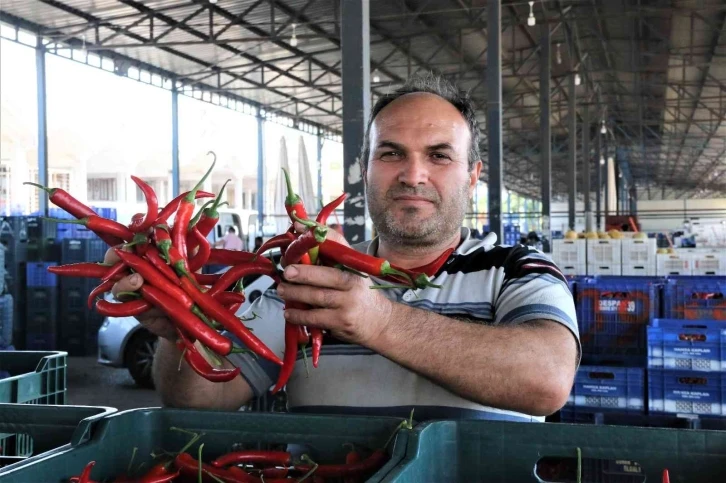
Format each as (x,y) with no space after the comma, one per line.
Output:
(355,52)
(175,177)
(586,188)
(598,179)
(545,133)
(42,126)
(572,154)
(494,114)
(605,155)
(260,171)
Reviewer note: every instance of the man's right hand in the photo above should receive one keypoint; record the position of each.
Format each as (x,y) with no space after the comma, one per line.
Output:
(153,320)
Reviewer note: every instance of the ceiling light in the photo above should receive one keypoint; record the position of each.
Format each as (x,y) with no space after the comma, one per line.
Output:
(578,80)
(376,77)
(559,54)
(603,129)
(293,40)
(620,175)
(602,161)
(531,20)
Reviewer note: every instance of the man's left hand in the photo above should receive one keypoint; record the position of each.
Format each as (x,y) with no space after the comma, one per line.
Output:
(341,302)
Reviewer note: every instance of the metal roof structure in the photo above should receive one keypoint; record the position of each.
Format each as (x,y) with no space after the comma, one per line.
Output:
(652,70)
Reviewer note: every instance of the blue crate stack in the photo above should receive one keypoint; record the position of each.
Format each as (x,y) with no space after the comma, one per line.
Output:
(511,235)
(695,298)
(6,321)
(41,306)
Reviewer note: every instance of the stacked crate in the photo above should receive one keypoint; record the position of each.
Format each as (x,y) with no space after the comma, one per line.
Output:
(604,257)
(708,262)
(570,256)
(605,390)
(668,264)
(41,306)
(639,256)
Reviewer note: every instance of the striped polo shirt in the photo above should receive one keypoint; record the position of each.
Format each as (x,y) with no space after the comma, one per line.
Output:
(481,283)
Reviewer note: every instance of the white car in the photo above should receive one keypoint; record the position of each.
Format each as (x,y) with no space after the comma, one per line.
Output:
(123,342)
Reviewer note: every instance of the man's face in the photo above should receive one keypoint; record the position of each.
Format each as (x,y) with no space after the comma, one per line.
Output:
(418,181)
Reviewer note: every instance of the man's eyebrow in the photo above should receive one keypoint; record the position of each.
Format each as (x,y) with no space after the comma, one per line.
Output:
(390,145)
(439,147)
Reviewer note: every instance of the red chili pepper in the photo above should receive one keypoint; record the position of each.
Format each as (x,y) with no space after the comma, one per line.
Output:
(200,365)
(280,241)
(237,272)
(173,205)
(100,225)
(227,298)
(352,457)
(189,466)
(162,238)
(220,256)
(207,278)
(178,262)
(202,255)
(293,202)
(304,243)
(131,308)
(290,356)
(303,337)
(666,476)
(86,474)
(210,216)
(328,209)
(152,207)
(376,267)
(433,268)
(84,269)
(64,200)
(316,336)
(274,473)
(186,320)
(152,276)
(216,311)
(273,458)
(184,215)
(101,289)
(153,257)
(159,473)
(371,464)
(118,269)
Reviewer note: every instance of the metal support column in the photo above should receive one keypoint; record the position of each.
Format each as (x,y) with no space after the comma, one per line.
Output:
(572,160)
(260,171)
(598,180)
(586,165)
(545,133)
(175,175)
(494,114)
(319,160)
(42,127)
(355,51)
(605,156)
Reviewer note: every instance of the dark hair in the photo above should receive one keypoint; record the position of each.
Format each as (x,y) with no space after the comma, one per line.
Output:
(433,84)
(232,229)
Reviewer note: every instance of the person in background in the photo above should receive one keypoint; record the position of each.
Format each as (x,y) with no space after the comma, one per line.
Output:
(230,241)
(336,227)
(258,243)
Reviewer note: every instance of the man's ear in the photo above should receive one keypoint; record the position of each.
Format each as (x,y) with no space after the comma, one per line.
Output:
(474,175)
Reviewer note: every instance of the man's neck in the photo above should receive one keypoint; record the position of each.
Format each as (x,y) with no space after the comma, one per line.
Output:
(416,256)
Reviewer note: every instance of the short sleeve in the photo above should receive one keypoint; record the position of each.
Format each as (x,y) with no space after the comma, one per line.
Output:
(260,373)
(534,288)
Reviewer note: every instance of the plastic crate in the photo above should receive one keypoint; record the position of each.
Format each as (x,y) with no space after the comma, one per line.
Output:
(686,392)
(499,451)
(609,388)
(84,250)
(577,415)
(321,437)
(29,430)
(37,274)
(639,270)
(672,264)
(687,345)
(573,270)
(35,377)
(6,321)
(604,252)
(708,264)
(604,270)
(639,251)
(695,298)
(613,311)
(569,252)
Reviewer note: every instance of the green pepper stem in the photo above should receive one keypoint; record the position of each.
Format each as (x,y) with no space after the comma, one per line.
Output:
(579,465)
(216,204)
(193,193)
(80,221)
(130,294)
(386,286)
(50,191)
(342,267)
(193,222)
(292,197)
(199,460)
(308,223)
(131,461)
(388,270)
(422,281)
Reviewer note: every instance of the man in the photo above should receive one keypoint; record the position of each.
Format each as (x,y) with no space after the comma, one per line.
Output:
(258,243)
(230,241)
(498,341)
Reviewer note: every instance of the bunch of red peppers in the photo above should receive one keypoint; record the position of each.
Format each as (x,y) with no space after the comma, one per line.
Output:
(169,255)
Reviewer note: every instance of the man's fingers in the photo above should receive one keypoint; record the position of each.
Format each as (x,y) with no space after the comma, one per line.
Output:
(110,257)
(319,276)
(334,235)
(314,296)
(318,318)
(127,284)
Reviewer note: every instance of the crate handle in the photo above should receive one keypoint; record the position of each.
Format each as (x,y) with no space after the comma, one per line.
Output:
(614,295)
(601,375)
(707,295)
(700,381)
(692,337)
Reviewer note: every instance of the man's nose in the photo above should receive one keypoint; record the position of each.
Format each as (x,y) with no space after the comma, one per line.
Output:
(414,171)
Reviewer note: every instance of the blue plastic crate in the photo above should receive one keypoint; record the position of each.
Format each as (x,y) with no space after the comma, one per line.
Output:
(83,250)
(38,276)
(612,313)
(609,388)
(687,345)
(695,298)
(575,415)
(686,392)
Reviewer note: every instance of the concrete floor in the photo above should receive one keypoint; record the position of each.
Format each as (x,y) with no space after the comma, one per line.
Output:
(91,384)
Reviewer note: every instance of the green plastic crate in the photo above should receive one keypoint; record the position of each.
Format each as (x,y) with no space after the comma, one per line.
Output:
(113,439)
(497,451)
(35,377)
(35,429)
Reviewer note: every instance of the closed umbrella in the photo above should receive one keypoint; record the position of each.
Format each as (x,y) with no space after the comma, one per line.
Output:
(281,219)
(305,179)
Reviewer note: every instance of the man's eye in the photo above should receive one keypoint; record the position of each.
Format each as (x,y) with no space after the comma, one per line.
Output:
(390,154)
(440,157)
